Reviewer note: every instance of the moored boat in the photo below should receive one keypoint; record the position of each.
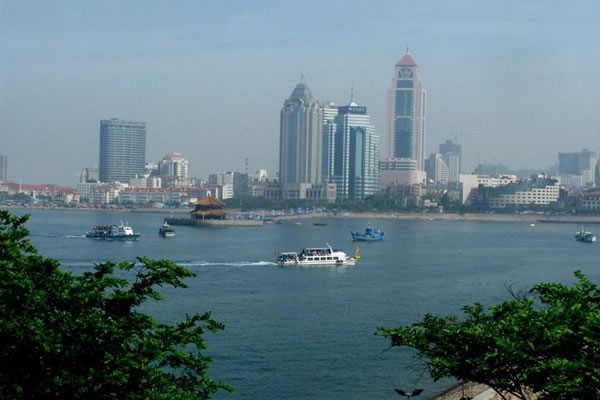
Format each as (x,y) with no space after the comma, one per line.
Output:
(585,236)
(119,232)
(166,230)
(370,234)
(317,256)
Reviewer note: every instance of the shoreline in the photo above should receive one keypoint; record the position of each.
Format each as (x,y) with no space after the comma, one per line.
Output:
(467,217)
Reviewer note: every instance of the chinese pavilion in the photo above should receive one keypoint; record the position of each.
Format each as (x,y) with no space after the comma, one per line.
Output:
(209,208)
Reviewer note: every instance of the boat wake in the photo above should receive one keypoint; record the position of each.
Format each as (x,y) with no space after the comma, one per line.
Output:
(75,236)
(187,264)
(226,264)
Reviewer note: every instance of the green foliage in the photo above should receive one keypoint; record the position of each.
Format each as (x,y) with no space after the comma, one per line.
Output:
(546,343)
(83,337)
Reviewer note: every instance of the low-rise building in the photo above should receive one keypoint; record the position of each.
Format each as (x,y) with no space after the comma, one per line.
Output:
(496,181)
(539,190)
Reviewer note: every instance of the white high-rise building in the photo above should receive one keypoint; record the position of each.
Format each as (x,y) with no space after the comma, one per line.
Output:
(436,168)
(300,138)
(330,112)
(451,153)
(406,113)
(173,164)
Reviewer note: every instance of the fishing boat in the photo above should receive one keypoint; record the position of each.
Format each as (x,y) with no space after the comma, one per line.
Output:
(369,235)
(110,232)
(585,236)
(320,224)
(166,230)
(317,256)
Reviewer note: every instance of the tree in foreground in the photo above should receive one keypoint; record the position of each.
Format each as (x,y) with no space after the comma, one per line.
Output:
(83,337)
(544,344)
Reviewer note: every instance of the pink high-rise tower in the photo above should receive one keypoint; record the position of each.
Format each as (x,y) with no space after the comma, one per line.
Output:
(406,113)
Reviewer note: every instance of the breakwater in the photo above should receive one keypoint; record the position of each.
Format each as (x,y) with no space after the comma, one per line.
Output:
(216,223)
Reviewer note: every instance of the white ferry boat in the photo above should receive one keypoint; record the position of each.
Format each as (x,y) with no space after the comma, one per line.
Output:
(317,256)
(119,232)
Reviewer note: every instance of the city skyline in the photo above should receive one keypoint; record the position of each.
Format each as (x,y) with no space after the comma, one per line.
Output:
(504,79)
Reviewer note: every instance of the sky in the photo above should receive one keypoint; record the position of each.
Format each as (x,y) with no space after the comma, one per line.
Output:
(514,81)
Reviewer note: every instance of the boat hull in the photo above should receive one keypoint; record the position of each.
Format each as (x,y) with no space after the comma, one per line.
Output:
(111,237)
(349,261)
(370,235)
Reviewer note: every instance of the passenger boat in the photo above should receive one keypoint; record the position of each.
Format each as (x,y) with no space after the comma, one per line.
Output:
(317,256)
(585,236)
(370,234)
(166,230)
(119,232)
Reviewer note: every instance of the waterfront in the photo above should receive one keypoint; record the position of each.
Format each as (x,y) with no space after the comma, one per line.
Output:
(308,332)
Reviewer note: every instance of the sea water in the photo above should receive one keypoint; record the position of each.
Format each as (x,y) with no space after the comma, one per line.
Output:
(308,332)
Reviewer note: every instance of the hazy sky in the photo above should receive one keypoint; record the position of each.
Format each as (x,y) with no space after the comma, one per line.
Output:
(516,81)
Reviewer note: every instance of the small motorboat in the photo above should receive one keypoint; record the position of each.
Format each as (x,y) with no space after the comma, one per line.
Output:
(320,224)
(166,230)
(585,236)
(369,235)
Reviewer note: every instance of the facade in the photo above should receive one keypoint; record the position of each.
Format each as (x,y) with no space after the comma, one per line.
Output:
(310,191)
(174,165)
(140,195)
(400,171)
(577,167)
(436,169)
(452,154)
(99,193)
(591,200)
(89,174)
(330,112)
(352,153)
(233,184)
(406,113)
(3,167)
(122,150)
(541,190)
(300,137)
(496,181)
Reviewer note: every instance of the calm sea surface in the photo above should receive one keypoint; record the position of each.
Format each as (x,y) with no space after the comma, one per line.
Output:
(307,332)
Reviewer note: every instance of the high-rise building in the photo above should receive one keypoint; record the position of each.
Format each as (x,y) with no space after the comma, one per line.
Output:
(300,138)
(353,153)
(236,183)
(436,168)
(122,150)
(89,175)
(577,167)
(451,154)
(330,111)
(3,167)
(406,113)
(173,164)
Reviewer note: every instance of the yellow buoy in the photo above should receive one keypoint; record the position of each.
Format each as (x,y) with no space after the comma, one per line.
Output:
(356,253)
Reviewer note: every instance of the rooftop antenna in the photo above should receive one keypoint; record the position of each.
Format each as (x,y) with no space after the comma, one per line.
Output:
(352,94)
(246,165)
(406,48)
